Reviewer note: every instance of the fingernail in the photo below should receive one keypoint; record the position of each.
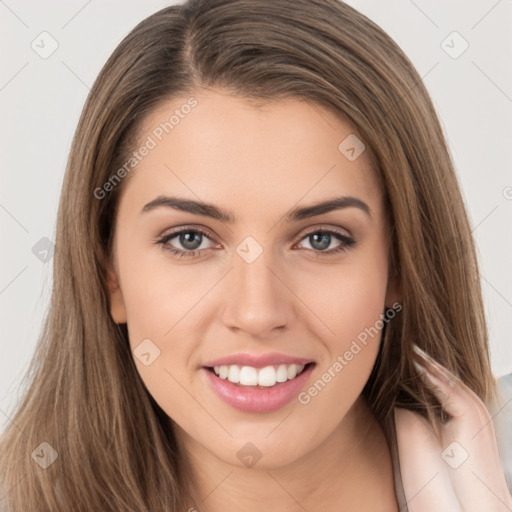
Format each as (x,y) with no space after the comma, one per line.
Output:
(432,367)
(420,352)
(418,367)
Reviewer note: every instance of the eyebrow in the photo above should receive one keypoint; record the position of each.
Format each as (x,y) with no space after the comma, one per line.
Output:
(215,212)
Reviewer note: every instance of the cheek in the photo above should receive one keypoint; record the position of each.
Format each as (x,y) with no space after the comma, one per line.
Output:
(159,299)
(349,300)
(158,293)
(359,308)
(350,304)
(160,305)
(353,311)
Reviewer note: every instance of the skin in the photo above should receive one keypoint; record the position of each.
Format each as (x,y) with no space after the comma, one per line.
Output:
(452,466)
(259,164)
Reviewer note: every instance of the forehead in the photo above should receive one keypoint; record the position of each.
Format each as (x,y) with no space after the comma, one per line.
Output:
(224,149)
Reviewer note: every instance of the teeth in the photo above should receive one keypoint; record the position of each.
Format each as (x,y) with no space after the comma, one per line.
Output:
(248,376)
(292,371)
(234,373)
(267,376)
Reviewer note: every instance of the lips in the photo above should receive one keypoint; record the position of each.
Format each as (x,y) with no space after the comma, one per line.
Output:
(256,399)
(257,383)
(258,361)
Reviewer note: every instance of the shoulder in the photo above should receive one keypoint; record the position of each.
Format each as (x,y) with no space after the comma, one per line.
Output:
(501,412)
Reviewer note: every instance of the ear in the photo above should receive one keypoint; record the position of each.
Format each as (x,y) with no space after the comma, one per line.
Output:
(117,307)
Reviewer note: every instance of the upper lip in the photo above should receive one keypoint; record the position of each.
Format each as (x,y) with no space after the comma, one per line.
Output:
(258,361)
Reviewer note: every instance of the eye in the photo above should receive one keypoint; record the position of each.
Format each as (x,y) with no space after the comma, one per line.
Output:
(320,239)
(191,239)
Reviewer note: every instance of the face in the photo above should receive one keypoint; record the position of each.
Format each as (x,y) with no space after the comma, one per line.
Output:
(268,288)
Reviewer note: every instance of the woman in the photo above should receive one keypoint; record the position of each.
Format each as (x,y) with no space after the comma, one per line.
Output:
(260,239)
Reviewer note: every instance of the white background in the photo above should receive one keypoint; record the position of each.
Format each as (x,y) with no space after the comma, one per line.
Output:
(41,100)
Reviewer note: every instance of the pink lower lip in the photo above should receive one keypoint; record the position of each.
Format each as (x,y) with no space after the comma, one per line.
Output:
(250,399)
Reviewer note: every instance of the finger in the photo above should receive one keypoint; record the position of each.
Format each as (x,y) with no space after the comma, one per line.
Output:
(467,419)
(457,399)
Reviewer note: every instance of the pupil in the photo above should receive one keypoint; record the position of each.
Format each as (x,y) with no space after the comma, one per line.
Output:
(325,238)
(187,243)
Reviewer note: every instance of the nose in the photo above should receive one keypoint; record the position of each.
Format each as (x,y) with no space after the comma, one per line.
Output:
(259,300)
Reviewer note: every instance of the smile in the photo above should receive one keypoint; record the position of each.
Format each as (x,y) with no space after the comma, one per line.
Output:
(265,377)
(257,390)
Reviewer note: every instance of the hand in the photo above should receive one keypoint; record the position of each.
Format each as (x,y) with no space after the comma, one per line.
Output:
(452,466)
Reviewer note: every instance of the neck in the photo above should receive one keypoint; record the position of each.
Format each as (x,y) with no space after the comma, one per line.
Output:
(353,467)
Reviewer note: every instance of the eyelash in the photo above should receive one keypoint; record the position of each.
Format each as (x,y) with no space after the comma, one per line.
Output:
(345,246)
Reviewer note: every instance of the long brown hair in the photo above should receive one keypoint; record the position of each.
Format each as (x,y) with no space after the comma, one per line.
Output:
(83,394)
